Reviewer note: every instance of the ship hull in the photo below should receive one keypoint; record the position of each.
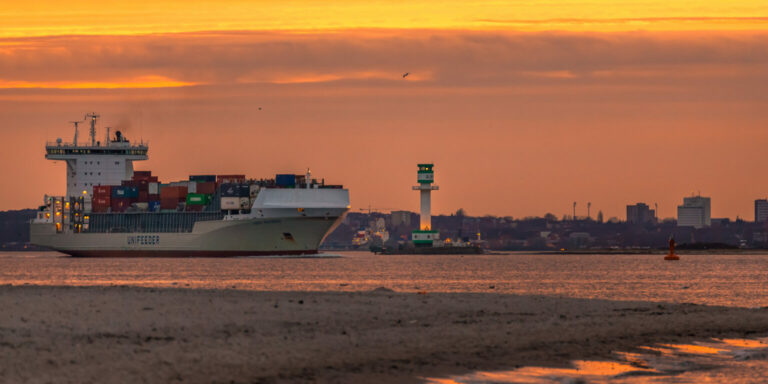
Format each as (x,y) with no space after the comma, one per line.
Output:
(219,238)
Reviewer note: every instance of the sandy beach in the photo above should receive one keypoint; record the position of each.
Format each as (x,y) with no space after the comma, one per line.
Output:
(127,334)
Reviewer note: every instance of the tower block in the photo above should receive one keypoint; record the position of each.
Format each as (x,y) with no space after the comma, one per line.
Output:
(425,236)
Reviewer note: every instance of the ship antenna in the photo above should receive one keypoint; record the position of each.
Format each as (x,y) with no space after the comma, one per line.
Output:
(106,143)
(93,116)
(75,123)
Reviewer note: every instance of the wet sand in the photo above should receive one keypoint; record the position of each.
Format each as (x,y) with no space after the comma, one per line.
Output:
(127,334)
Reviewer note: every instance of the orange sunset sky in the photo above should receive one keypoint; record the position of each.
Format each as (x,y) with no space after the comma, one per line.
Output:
(524,106)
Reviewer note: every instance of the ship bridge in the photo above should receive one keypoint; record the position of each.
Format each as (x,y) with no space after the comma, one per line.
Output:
(95,162)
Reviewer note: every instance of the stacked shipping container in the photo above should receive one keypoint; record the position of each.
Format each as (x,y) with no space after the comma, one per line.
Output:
(144,192)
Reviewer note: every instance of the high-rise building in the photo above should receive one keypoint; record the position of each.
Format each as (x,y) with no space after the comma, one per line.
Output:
(761,211)
(640,213)
(695,212)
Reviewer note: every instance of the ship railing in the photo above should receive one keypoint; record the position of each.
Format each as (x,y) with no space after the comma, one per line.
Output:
(55,144)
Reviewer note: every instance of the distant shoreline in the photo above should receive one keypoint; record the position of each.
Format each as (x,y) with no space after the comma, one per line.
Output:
(726,251)
(86,334)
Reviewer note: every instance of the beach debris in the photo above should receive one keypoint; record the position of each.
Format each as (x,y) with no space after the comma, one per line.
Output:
(491,287)
(421,292)
(301,301)
(343,285)
(382,289)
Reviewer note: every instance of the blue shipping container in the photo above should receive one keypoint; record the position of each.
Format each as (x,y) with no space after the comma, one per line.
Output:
(124,191)
(154,206)
(203,178)
(285,180)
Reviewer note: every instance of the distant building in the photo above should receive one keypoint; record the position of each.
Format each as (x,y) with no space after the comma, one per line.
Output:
(398,218)
(640,213)
(695,212)
(761,211)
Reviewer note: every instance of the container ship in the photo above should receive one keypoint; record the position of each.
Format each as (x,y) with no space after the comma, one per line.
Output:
(110,210)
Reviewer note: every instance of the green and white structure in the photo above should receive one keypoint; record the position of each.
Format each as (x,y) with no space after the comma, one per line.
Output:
(425,236)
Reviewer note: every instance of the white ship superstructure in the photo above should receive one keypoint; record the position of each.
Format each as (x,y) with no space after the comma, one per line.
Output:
(96,162)
(110,210)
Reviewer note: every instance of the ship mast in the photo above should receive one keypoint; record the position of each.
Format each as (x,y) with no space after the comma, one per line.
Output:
(93,116)
(75,123)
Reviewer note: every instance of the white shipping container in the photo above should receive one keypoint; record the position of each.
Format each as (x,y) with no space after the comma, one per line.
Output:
(180,184)
(230,203)
(141,206)
(154,188)
(245,202)
(254,190)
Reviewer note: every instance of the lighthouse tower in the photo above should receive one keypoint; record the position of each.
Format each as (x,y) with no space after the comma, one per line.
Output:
(425,236)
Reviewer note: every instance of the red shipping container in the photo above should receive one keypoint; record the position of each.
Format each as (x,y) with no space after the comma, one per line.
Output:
(100,202)
(120,204)
(139,175)
(143,196)
(171,203)
(153,179)
(230,179)
(102,190)
(178,193)
(141,185)
(208,188)
(153,197)
(194,208)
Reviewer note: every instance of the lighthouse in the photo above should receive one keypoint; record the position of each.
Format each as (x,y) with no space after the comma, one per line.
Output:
(425,235)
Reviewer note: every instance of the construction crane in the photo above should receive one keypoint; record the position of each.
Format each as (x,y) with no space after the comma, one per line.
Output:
(589,205)
(574,211)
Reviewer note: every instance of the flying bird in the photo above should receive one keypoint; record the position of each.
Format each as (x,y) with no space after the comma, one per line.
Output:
(406,74)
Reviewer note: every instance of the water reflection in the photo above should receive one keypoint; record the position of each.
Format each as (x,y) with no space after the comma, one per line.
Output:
(716,361)
(731,280)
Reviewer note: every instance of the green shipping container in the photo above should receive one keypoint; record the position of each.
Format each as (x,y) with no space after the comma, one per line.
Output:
(198,199)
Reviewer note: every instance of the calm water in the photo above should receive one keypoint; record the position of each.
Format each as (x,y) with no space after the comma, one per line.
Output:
(733,280)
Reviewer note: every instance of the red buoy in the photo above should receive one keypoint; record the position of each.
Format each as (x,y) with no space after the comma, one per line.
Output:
(671,255)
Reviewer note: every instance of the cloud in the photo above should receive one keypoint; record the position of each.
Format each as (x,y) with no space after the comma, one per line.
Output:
(138,82)
(757,20)
(435,58)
